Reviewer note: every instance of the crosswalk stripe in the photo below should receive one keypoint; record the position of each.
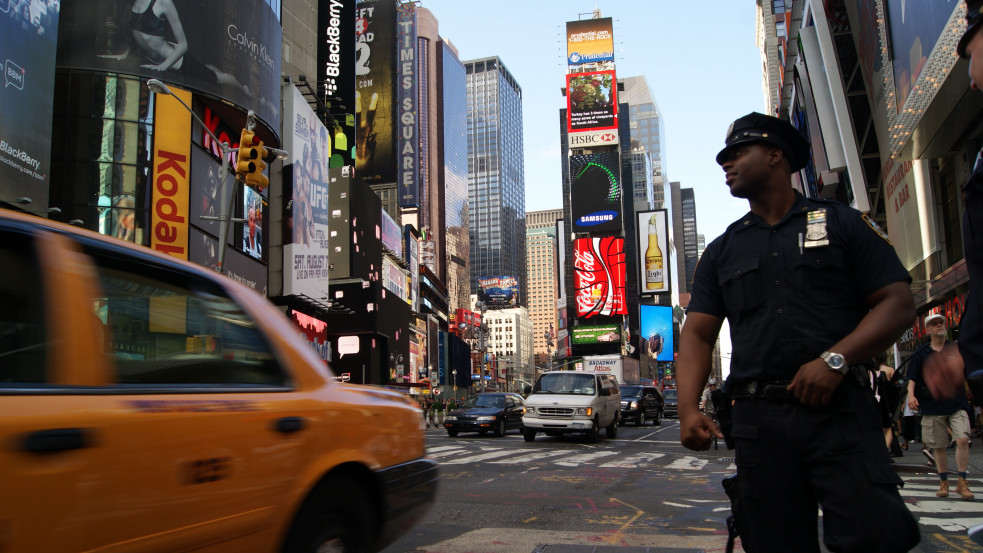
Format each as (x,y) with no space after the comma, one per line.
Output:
(633,461)
(530,458)
(687,463)
(482,457)
(583,458)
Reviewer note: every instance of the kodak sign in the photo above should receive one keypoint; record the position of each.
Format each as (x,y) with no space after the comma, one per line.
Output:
(171,184)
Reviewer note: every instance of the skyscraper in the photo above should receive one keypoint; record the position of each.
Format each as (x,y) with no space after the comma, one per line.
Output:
(541,253)
(647,129)
(496,184)
(690,241)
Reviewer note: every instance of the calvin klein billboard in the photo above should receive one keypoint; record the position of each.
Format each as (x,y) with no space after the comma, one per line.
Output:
(230,49)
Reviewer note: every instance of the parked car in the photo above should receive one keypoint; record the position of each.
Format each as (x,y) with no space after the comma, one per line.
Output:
(497,412)
(150,404)
(641,403)
(573,401)
(671,402)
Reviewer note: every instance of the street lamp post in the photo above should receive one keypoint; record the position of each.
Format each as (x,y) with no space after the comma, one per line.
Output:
(158,87)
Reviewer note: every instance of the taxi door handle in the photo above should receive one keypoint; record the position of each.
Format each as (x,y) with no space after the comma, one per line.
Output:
(56,439)
(289,425)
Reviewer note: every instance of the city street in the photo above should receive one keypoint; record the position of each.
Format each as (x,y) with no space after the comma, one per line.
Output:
(640,490)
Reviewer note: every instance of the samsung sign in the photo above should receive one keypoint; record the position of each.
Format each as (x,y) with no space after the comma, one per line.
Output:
(597,218)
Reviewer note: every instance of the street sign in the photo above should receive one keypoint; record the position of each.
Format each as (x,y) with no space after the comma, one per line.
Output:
(436,391)
(345,377)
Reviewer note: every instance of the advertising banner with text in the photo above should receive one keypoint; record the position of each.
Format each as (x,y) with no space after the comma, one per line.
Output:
(305,248)
(172,163)
(599,274)
(231,48)
(592,101)
(30,34)
(595,192)
(590,41)
(375,86)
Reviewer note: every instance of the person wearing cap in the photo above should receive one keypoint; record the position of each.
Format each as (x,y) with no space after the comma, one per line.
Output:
(940,416)
(812,289)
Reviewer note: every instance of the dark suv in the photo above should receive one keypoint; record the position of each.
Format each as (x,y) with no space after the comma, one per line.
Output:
(641,403)
(498,412)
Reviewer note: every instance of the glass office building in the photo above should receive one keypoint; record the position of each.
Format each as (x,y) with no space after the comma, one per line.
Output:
(496,187)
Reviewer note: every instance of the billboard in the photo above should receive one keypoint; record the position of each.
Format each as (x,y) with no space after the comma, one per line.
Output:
(375,74)
(599,274)
(407,119)
(305,248)
(393,278)
(336,57)
(592,101)
(595,192)
(656,332)
(592,335)
(653,252)
(314,332)
(30,34)
(913,32)
(227,48)
(253,206)
(590,41)
(413,261)
(392,238)
(498,292)
(171,184)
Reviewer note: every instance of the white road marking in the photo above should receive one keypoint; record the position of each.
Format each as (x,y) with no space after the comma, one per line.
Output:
(532,457)
(633,461)
(576,460)
(476,458)
(687,463)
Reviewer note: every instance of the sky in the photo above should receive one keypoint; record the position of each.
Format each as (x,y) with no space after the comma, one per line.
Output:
(701,64)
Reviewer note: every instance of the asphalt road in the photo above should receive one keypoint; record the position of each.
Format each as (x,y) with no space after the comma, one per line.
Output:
(639,492)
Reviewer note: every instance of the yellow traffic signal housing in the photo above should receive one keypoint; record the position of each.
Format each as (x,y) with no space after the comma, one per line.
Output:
(250,164)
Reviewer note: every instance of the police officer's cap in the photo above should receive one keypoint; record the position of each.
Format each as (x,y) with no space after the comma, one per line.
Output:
(974,18)
(757,127)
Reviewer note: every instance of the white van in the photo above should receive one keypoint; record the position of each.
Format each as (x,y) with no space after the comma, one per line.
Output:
(573,401)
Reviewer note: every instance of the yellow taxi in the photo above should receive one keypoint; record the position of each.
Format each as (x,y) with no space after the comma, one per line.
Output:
(148,404)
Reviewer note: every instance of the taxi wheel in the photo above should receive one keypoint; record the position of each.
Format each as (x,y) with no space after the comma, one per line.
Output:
(335,518)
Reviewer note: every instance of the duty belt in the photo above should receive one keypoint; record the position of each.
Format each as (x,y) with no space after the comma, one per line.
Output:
(777,390)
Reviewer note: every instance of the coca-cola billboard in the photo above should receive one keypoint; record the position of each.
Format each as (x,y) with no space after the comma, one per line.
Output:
(599,276)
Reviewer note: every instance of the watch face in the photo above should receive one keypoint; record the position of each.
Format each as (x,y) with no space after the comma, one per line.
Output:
(835,361)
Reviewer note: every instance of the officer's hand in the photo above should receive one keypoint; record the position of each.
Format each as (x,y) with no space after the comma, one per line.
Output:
(696,431)
(815,383)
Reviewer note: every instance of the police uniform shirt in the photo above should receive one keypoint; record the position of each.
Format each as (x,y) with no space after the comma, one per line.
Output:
(787,295)
(971,324)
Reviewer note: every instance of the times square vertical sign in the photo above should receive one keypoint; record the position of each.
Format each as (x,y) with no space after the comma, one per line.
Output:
(407,142)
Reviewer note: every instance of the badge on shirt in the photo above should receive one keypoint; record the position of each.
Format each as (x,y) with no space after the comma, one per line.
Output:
(816,235)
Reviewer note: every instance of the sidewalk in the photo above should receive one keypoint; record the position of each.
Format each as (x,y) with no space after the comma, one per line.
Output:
(914,461)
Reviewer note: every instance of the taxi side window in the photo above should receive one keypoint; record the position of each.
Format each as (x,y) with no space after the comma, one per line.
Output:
(23,346)
(170,328)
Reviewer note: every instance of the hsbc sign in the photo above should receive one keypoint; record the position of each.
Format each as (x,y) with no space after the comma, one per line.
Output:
(593,138)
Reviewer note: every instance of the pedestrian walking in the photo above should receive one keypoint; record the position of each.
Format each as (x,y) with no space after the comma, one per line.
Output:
(940,416)
(812,290)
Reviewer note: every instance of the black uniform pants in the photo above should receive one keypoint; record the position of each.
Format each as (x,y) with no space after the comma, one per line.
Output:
(790,457)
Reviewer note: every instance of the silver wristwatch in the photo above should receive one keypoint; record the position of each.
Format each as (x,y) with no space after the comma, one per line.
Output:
(835,361)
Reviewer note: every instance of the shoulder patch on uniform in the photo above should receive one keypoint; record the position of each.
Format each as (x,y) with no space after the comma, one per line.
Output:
(870,223)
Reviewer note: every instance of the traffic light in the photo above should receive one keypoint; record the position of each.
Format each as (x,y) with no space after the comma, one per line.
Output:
(250,164)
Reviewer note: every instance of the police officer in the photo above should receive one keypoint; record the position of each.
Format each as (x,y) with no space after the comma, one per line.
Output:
(811,289)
